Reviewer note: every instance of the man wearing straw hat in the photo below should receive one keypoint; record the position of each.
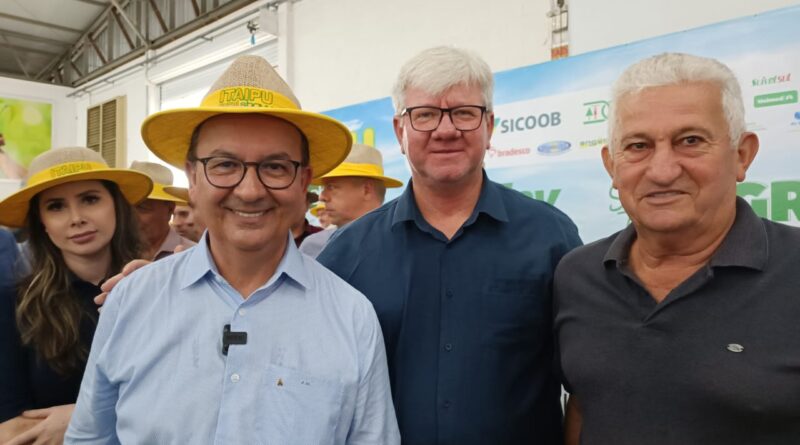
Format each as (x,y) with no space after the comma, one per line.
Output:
(459,270)
(354,188)
(242,337)
(155,212)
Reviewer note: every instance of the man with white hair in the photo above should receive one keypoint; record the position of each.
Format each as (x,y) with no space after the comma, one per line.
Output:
(683,327)
(459,269)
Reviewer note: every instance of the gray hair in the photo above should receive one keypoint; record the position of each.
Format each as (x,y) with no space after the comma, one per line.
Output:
(438,69)
(674,69)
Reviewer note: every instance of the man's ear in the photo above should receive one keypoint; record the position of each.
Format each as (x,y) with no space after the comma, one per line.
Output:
(745,153)
(399,132)
(608,162)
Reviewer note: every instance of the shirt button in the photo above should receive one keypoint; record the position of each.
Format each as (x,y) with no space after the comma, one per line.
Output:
(242,312)
(234,378)
(446,404)
(449,293)
(448,347)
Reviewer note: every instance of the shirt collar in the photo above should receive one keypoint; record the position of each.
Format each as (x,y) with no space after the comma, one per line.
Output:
(200,263)
(490,202)
(746,243)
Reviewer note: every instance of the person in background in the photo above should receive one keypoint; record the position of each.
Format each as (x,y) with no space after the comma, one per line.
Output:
(354,188)
(81,230)
(275,348)
(301,227)
(318,211)
(459,269)
(683,327)
(186,222)
(155,212)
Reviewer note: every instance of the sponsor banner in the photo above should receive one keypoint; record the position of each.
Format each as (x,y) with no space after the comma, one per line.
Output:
(551,120)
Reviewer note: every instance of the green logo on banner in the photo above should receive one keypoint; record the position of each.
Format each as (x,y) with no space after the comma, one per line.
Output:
(551,195)
(773,99)
(780,203)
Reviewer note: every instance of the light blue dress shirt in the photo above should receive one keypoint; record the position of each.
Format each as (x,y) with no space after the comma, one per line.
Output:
(313,370)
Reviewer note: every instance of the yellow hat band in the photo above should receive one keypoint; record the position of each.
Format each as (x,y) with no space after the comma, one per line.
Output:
(352,169)
(66,169)
(247,97)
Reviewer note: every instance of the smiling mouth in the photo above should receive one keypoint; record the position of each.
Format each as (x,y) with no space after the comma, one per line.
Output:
(249,214)
(664,194)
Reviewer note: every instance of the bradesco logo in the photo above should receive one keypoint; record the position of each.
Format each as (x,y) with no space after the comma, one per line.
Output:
(774,99)
(530,122)
(595,112)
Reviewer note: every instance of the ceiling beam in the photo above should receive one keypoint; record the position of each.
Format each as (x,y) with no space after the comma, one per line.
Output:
(159,16)
(95,2)
(16,57)
(115,14)
(24,49)
(35,38)
(39,23)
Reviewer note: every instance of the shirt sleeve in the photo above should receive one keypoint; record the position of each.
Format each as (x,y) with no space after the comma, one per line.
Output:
(374,420)
(94,419)
(14,386)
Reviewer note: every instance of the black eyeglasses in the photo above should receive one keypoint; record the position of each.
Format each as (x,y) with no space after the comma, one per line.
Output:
(226,173)
(464,118)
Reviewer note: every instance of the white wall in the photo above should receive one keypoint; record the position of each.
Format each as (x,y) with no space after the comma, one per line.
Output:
(596,24)
(136,88)
(349,51)
(64,120)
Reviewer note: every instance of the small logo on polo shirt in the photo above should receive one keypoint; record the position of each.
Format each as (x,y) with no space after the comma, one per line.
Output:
(280,382)
(735,347)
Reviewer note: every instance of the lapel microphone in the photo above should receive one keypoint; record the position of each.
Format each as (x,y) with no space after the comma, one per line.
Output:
(232,338)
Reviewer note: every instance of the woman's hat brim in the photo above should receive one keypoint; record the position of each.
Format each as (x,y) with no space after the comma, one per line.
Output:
(134,186)
(168,133)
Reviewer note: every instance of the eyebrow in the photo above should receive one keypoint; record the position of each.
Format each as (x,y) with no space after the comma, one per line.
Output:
(81,194)
(228,154)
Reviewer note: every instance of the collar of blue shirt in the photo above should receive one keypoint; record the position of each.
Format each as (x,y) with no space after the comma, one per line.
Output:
(201,263)
(490,202)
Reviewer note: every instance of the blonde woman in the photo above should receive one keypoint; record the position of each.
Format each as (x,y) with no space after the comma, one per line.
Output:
(82,230)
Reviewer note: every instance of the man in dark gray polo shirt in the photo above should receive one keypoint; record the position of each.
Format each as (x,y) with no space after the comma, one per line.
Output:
(684,328)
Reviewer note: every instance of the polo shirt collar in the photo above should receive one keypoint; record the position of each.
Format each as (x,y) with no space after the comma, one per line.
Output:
(745,244)
(200,263)
(490,202)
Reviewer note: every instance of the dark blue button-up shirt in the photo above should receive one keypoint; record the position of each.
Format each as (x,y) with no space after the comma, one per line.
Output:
(467,321)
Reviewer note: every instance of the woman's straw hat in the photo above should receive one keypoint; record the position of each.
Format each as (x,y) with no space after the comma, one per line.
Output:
(70,164)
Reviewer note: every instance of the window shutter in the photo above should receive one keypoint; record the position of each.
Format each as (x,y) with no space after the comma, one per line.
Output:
(105,124)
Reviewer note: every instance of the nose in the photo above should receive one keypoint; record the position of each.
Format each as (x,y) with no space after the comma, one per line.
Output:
(324,196)
(446,127)
(75,215)
(664,166)
(251,188)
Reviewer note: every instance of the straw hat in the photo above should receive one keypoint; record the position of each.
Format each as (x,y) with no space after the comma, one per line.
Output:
(249,85)
(179,192)
(316,209)
(162,178)
(63,165)
(363,161)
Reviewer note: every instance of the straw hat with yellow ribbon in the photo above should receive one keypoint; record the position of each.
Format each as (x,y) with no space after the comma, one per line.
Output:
(163,190)
(63,165)
(317,208)
(249,85)
(363,161)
